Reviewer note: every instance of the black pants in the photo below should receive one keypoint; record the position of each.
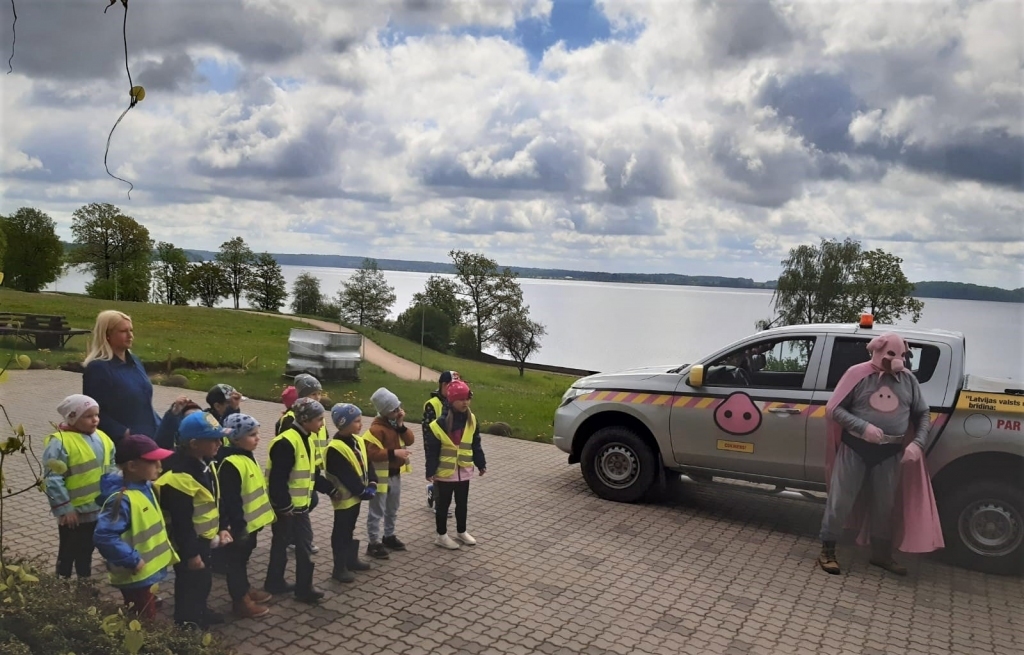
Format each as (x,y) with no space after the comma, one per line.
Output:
(444,492)
(191,591)
(235,557)
(341,536)
(291,529)
(75,550)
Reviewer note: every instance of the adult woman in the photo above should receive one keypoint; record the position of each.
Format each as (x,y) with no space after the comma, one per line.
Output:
(116,380)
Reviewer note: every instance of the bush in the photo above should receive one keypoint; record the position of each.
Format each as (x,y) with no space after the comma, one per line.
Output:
(433,323)
(465,342)
(56,617)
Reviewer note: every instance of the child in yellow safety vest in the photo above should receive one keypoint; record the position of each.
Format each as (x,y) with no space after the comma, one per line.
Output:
(354,480)
(305,385)
(453,449)
(189,496)
(75,458)
(130,531)
(244,509)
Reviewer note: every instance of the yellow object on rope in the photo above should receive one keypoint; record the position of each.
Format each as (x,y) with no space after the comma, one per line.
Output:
(135,93)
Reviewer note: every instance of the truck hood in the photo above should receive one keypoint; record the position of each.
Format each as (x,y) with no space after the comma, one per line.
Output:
(618,378)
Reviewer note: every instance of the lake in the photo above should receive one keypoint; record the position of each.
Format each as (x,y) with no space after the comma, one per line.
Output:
(604,327)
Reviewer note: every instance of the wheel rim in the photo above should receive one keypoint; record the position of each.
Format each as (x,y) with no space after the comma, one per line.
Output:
(618,466)
(992,528)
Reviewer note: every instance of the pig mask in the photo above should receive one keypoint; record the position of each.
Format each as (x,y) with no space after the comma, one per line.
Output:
(887,352)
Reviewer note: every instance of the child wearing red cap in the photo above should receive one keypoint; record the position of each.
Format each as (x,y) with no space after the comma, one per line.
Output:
(453,449)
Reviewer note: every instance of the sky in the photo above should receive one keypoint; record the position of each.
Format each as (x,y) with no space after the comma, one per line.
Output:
(700,137)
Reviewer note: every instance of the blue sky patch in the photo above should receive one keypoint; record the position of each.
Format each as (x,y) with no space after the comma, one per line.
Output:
(218,76)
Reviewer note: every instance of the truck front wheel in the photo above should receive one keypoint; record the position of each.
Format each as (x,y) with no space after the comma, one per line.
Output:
(618,465)
(983,526)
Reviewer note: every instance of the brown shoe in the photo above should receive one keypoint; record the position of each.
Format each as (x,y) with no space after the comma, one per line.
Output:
(247,609)
(881,556)
(827,559)
(258,596)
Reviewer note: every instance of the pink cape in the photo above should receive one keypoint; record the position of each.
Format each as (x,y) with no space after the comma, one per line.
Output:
(916,527)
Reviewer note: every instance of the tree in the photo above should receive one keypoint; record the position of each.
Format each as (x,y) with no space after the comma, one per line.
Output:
(209,283)
(171,275)
(306,296)
(35,253)
(518,336)
(429,321)
(237,259)
(443,293)
(835,281)
(366,298)
(489,292)
(116,248)
(267,290)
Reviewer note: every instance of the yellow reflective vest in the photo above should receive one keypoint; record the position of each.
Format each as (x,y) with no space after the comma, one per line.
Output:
(147,534)
(343,498)
(256,507)
(82,479)
(455,457)
(205,506)
(300,479)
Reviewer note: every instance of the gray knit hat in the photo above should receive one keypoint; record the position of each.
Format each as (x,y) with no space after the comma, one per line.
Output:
(307,409)
(305,385)
(385,401)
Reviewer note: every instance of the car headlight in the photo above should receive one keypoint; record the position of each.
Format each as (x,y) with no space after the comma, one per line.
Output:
(572,394)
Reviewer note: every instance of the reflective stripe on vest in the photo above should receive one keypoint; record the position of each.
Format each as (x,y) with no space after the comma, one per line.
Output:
(455,457)
(300,479)
(256,507)
(147,534)
(380,467)
(321,439)
(82,479)
(205,513)
(345,499)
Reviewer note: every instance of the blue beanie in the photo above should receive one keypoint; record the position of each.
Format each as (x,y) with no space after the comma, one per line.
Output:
(344,414)
(241,425)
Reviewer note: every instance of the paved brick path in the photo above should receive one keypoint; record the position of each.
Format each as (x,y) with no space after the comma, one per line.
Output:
(559,571)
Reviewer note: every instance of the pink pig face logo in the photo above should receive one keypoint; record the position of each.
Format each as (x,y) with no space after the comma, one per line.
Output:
(884,400)
(738,414)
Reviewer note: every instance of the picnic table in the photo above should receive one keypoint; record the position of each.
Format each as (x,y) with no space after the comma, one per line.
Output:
(41,330)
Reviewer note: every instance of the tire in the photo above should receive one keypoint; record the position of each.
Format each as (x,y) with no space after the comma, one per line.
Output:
(618,465)
(983,526)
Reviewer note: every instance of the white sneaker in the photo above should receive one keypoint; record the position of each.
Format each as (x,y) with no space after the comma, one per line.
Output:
(444,541)
(466,538)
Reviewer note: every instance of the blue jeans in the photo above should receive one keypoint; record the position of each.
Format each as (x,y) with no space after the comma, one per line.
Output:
(384,506)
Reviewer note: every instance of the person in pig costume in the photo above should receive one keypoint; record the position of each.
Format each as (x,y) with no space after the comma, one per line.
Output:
(878,424)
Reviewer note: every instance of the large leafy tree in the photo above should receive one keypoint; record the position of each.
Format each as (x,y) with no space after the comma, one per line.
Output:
(366,297)
(518,336)
(306,296)
(116,248)
(35,255)
(490,292)
(267,289)
(442,293)
(883,289)
(428,322)
(209,283)
(237,260)
(171,275)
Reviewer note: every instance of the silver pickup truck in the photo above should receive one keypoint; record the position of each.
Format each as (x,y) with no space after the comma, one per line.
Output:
(755,412)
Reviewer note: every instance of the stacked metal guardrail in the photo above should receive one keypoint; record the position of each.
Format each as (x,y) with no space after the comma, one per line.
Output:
(325,355)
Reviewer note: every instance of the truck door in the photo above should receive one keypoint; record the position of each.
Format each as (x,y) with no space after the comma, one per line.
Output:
(750,414)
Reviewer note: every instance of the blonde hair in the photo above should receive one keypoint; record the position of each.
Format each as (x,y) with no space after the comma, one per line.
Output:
(99,348)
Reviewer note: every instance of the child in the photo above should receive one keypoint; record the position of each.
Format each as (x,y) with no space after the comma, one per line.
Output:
(292,478)
(288,397)
(453,449)
(386,446)
(189,496)
(75,458)
(348,470)
(130,532)
(167,434)
(222,401)
(244,509)
(305,386)
(431,410)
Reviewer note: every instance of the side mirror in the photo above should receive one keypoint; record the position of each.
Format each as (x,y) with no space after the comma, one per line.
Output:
(696,378)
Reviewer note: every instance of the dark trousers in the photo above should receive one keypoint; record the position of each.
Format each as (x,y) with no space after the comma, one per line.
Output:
(75,550)
(191,591)
(341,536)
(445,491)
(235,557)
(291,529)
(140,601)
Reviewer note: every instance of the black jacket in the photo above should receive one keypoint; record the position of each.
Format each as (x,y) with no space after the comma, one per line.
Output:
(341,468)
(432,445)
(232,516)
(282,460)
(178,506)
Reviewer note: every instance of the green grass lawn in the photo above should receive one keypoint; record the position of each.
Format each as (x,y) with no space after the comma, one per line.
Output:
(249,352)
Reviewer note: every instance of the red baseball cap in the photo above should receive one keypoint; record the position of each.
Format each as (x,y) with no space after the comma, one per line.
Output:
(139,446)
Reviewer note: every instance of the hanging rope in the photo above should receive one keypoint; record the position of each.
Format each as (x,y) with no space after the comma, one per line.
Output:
(14,31)
(135,94)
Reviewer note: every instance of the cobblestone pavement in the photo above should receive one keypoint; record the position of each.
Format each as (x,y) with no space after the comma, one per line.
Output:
(560,571)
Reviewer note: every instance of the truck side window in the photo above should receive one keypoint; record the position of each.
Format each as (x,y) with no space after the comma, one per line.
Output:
(779,364)
(848,351)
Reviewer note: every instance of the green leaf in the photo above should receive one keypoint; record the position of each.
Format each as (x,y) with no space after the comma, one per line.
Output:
(133,642)
(207,639)
(135,625)
(92,611)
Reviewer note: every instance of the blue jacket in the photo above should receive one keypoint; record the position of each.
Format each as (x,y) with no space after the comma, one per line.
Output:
(124,394)
(109,528)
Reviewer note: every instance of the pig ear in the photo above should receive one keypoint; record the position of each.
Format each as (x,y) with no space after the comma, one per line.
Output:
(876,344)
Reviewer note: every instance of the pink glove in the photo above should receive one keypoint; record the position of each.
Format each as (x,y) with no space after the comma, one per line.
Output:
(872,434)
(912,453)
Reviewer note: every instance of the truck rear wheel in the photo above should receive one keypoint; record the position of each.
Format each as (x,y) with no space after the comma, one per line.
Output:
(618,465)
(983,526)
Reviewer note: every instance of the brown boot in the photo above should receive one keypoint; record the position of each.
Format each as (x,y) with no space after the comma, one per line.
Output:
(881,556)
(247,609)
(827,559)
(258,596)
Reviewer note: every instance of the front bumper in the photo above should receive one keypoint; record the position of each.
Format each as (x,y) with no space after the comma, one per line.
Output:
(567,419)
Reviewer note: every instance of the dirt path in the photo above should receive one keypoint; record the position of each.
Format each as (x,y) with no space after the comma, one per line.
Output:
(372,353)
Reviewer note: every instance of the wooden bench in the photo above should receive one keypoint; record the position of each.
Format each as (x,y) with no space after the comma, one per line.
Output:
(41,330)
